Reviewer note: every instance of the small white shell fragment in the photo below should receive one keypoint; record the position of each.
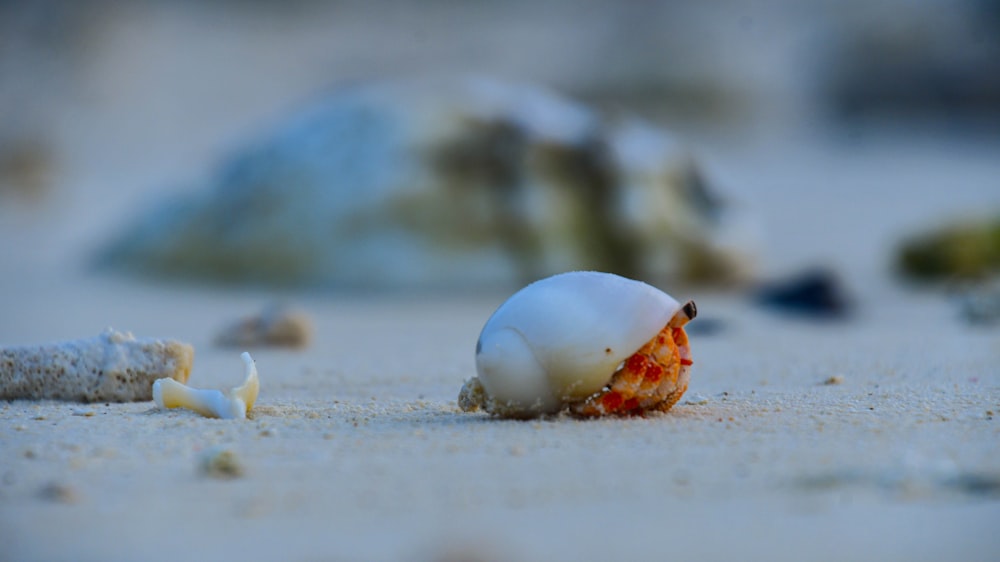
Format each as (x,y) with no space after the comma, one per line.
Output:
(561,339)
(168,393)
(112,367)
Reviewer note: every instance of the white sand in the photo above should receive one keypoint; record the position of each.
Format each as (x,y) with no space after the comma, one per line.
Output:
(357,451)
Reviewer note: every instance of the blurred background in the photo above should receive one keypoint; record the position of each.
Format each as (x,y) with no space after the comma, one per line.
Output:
(835,131)
(840,126)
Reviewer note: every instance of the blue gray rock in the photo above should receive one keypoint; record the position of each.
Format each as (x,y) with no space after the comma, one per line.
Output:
(445,183)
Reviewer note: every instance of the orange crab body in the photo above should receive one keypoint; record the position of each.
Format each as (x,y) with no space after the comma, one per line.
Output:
(653,378)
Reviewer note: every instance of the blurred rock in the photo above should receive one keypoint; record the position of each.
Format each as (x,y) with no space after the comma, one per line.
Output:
(221,462)
(276,326)
(446,183)
(959,251)
(25,169)
(981,304)
(939,60)
(816,293)
(59,492)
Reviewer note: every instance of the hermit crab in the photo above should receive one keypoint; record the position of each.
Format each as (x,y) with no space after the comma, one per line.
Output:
(591,343)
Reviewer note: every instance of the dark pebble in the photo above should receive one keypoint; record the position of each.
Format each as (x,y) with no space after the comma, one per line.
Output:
(815,293)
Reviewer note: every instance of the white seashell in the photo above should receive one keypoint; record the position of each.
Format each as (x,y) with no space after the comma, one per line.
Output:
(561,339)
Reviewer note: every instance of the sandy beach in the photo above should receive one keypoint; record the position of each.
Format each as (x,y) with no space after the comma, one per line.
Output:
(357,450)
(871,438)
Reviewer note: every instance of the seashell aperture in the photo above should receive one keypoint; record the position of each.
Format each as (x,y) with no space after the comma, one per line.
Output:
(560,341)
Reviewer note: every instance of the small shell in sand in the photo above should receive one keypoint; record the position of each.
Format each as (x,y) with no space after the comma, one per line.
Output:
(592,343)
(276,326)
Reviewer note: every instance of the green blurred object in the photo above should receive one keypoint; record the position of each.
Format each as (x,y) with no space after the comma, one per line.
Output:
(964,250)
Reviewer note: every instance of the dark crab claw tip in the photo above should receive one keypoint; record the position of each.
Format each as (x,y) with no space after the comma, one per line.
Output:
(690,310)
(684,315)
